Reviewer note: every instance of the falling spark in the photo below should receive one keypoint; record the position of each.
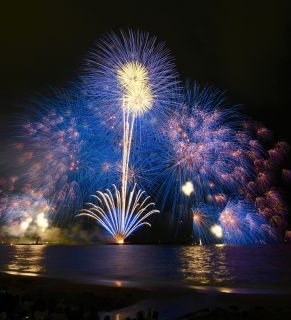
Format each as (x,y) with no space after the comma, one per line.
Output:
(188,188)
(216,230)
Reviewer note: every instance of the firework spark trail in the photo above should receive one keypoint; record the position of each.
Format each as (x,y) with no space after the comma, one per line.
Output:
(132,75)
(137,99)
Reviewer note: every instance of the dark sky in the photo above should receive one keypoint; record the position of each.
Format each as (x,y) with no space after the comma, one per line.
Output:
(242,47)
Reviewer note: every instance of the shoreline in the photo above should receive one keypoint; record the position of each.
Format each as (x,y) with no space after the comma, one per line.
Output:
(184,286)
(32,283)
(67,292)
(123,301)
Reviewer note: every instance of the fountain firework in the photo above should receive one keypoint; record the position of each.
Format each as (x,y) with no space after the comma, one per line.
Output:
(120,224)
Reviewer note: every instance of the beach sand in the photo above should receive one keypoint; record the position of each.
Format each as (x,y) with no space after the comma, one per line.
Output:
(46,298)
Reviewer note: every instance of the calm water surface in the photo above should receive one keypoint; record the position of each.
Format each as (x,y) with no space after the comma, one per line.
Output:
(263,266)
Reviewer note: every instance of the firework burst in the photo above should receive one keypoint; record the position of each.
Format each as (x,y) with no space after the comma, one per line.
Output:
(127,124)
(129,75)
(204,217)
(25,215)
(61,154)
(206,154)
(242,225)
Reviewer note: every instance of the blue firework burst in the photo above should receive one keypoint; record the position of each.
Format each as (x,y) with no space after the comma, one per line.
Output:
(241,224)
(203,152)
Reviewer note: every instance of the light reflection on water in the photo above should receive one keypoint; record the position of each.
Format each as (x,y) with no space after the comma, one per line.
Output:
(156,264)
(204,265)
(26,259)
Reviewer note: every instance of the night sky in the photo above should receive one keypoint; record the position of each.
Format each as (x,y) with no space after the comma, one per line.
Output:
(242,47)
(238,47)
